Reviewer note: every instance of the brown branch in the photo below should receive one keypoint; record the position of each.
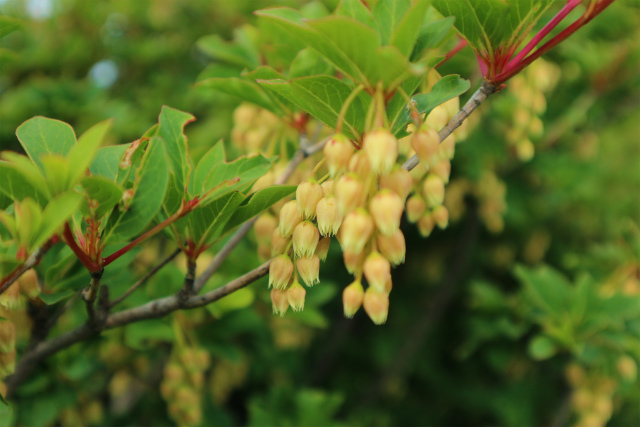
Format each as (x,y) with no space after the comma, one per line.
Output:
(151,310)
(89,296)
(146,278)
(32,261)
(483,92)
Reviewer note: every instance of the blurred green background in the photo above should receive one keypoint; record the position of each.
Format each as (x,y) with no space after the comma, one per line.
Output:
(526,311)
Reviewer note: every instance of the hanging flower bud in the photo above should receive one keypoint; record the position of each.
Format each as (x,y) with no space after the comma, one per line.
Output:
(399,181)
(393,247)
(349,192)
(381,148)
(7,336)
(264,227)
(29,284)
(448,147)
(416,207)
(442,169)
(377,270)
(359,164)
(10,298)
(308,195)
(426,142)
(376,304)
(323,248)
(295,296)
(441,216)
(280,271)
(437,118)
(337,151)
(305,239)
(329,218)
(353,261)
(327,187)
(426,224)
(279,301)
(309,269)
(263,182)
(388,286)
(264,251)
(289,218)
(386,208)
(279,243)
(433,190)
(357,229)
(173,373)
(352,297)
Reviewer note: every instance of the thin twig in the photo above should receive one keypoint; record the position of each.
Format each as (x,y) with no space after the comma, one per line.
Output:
(32,261)
(90,294)
(483,92)
(146,278)
(189,279)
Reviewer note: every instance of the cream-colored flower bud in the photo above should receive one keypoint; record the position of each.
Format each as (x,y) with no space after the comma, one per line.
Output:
(264,227)
(525,150)
(308,195)
(376,304)
(329,218)
(323,248)
(279,301)
(279,243)
(416,207)
(399,181)
(263,182)
(419,172)
(393,247)
(244,115)
(448,147)
(352,297)
(337,151)
(357,229)
(296,295)
(305,239)
(438,117)
(349,192)
(327,187)
(433,190)
(377,270)
(280,271)
(442,169)
(426,224)
(381,148)
(353,261)
(386,208)
(29,284)
(7,336)
(264,251)
(309,269)
(289,218)
(426,142)
(10,298)
(359,164)
(441,216)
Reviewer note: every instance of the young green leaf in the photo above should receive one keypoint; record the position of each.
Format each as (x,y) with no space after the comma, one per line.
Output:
(81,154)
(106,162)
(55,214)
(388,14)
(18,186)
(101,194)
(41,135)
(171,129)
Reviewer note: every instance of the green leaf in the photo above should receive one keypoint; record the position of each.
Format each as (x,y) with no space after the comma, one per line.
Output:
(309,62)
(357,10)
(292,21)
(258,203)
(41,135)
(8,25)
(446,88)
(131,159)
(171,129)
(105,193)
(81,154)
(29,172)
(56,168)
(323,97)
(207,222)
(213,157)
(542,348)
(238,300)
(149,187)
(55,214)
(107,161)
(141,335)
(28,220)
(431,34)
(388,14)
(232,53)
(406,32)
(53,297)
(17,186)
(545,288)
(243,89)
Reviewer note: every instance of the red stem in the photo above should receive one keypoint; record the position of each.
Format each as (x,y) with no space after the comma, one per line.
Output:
(461,44)
(67,237)
(583,20)
(543,33)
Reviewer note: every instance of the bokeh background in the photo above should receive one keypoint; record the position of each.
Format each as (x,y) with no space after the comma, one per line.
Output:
(524,312)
